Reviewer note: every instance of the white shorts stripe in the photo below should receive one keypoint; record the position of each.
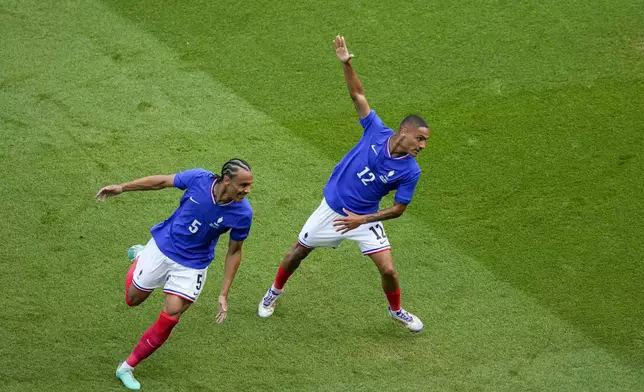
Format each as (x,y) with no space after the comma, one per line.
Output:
(178,294)
(303,244)
(138,286)
(368,252)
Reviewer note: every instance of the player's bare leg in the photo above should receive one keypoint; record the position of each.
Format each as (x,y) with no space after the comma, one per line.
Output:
(175,306)
(390,284)
(152,339)
(134,296)
(290,263)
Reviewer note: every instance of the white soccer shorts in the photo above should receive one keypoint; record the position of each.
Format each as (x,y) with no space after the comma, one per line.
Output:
(154,269)
(318,232)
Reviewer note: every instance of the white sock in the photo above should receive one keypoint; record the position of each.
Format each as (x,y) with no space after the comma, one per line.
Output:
(278,291)
(125,366)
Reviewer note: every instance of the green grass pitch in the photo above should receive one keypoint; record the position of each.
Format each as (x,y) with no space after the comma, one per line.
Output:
(522,251)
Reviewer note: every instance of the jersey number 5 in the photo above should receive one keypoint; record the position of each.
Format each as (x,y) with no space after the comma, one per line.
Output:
(367,174)
(194,226)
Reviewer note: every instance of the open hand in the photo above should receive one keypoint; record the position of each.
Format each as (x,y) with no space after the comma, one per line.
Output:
(341,50)
(223,309)
(349,222)
(110,190)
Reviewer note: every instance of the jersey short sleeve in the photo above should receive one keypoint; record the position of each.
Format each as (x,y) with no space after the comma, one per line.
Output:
(185,179)
(372,124)
(406,189)
(241,232)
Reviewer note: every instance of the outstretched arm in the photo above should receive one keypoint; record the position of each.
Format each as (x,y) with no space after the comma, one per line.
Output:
(233,260)
(356,91)
(141,184)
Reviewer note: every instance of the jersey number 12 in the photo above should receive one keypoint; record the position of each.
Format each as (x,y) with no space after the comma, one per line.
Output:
(367,174)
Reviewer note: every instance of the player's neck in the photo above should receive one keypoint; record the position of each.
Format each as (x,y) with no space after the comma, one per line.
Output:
(394,146)
(219,194)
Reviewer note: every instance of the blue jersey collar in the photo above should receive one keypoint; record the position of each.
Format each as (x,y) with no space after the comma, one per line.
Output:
(389,152)
(212,194)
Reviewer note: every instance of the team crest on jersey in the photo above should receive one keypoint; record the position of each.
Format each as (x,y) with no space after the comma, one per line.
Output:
(386,179)
(215,225)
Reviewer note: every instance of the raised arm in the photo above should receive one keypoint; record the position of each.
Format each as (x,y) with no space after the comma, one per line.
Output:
(356,91)
(142,184)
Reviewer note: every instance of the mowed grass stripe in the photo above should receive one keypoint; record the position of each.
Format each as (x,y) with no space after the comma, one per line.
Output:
(480,333)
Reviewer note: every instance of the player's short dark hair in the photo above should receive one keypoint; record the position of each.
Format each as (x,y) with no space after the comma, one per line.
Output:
(231,167)
(415,121)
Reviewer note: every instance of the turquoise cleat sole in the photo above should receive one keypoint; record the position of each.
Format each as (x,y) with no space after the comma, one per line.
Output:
(133,251)
(127,378)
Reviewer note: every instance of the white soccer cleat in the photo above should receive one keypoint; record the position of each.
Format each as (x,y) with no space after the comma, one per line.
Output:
(267,304)
(410,321)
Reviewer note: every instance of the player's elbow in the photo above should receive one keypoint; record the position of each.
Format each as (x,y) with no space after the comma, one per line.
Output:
(399,210)
(357,95)
(164,181)
(234,253)
(235,250)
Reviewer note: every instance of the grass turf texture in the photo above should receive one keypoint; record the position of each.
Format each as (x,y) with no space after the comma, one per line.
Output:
(521,252)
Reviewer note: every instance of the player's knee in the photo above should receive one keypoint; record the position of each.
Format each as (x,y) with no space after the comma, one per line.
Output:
(389,273)
(130,301)
(175,306)
(135,297)
(294,256)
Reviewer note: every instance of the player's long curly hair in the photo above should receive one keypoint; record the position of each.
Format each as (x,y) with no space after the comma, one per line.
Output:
(231,167)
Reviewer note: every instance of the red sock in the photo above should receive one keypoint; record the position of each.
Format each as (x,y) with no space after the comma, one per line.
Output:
(394,300)
(128,280)
(281,277)
(152,339)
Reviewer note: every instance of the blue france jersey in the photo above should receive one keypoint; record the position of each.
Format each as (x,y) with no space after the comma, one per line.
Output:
(368,172)
(189,236)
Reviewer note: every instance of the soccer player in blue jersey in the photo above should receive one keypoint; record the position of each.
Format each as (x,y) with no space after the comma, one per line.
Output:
(382,161)
(182,247)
